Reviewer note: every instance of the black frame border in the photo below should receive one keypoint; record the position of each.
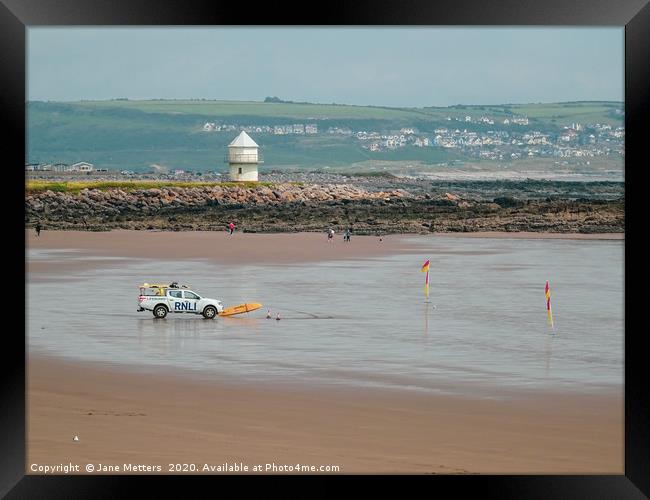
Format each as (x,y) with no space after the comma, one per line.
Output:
(634,15)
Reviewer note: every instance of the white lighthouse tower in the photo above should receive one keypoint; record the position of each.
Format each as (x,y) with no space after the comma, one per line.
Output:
(243,158)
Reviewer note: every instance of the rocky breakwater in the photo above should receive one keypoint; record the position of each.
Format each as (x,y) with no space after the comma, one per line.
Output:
(315,207)
(186,208)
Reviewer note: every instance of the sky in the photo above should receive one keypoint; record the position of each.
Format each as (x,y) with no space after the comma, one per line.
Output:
(401,67)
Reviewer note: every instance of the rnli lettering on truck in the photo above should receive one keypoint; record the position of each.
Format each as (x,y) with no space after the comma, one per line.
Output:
(184,306)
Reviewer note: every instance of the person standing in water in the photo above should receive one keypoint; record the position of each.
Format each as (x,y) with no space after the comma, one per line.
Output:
(347,235)
(330,235)
(231,227)
(38,228)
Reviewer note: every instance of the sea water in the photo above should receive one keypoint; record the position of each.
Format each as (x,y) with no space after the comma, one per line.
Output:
(362,323)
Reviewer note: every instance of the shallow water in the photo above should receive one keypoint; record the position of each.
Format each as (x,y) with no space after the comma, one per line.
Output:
(358,323)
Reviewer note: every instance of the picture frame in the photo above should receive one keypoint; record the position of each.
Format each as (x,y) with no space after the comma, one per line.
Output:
(16,16)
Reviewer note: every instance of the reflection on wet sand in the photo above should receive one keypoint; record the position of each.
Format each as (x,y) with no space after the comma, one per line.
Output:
(366,319)
(548,352)
(426,320)
(168,336)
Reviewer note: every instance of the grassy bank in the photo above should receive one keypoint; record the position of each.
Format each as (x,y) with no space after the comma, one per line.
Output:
(76,186)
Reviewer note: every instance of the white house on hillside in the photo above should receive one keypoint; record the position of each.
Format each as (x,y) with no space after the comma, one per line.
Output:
(82,166)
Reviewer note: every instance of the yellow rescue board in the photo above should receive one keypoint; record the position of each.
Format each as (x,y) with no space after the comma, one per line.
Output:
(241,308)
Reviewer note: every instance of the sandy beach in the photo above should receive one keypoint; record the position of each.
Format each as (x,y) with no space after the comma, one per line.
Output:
(218,246)
(122,415)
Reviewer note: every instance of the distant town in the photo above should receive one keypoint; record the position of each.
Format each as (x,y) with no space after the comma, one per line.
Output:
(80,167)
(576,140)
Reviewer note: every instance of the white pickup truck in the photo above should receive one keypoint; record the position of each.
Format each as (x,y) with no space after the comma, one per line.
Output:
(162,299)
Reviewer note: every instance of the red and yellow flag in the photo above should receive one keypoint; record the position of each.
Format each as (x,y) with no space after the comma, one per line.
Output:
(425,269)
(549,312)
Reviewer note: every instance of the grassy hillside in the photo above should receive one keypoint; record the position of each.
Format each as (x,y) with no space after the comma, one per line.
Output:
(123,134)
(207,108)
(563,113)
(559,114)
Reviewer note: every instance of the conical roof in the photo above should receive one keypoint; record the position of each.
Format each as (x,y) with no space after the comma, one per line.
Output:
(243,140)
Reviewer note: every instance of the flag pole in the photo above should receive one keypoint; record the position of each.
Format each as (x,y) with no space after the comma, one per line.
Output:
(426,287)
(549,311)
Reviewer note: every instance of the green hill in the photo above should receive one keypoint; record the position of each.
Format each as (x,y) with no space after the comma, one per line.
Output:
(124,134)
(207,108)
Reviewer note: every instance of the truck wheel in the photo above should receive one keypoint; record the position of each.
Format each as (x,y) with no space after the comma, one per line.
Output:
(160,311)
(209,312)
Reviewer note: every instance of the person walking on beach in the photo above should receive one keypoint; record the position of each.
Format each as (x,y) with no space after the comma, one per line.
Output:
(346,237)
(231,227)
(38,228)
(330,235)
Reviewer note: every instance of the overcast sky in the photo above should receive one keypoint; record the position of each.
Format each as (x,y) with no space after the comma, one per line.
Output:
(367,66)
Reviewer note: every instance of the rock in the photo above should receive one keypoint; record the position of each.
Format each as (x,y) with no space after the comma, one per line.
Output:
(508,202)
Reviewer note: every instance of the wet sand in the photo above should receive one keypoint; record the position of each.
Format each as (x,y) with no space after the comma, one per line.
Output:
(218,246)
(242,248)
(536,236)
(122,417)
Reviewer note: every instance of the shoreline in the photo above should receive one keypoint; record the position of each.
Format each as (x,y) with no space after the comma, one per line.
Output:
(254,248)
(124,417)
(533,235)
(463,390)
